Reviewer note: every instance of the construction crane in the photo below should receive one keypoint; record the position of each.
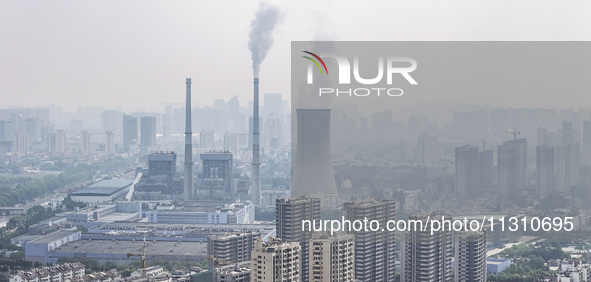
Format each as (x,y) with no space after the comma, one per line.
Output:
(143,257)
(514,132)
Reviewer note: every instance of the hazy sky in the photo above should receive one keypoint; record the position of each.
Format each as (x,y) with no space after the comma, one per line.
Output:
(136,54)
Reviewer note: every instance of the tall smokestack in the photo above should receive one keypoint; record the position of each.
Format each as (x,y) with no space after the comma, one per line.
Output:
(313,174)
(256,162)
(188,184)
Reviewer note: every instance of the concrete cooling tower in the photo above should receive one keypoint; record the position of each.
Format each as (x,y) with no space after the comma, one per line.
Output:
(313,175)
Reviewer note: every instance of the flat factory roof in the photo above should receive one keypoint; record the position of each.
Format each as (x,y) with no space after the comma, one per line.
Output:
(153,249)
(53,237)
(104,188)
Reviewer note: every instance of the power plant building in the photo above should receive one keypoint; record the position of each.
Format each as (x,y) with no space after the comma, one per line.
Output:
(160,181)
(216,179)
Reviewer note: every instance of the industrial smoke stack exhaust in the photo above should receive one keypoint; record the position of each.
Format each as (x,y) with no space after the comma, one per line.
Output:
(188,181)
(313,172)
(256,162)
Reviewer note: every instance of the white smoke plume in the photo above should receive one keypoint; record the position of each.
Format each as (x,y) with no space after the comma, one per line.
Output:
(261,33)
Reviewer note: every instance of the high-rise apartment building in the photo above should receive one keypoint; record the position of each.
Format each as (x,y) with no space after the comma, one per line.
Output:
(130,134)
(109,141)
(231,141)
(485,170)
(374,251)
(512,164)
(148,131)
(85,139)
(289,216)
(56,142)
(545,170)
(466,163)
(426,255)
(332,258)
(276,260)
(206,138)
(567,166)
(61,140)
(233,248)
(20,142)
(427,148)
(470,256)
(5,130)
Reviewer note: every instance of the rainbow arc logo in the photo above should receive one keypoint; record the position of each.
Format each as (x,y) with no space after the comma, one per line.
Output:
(316,62)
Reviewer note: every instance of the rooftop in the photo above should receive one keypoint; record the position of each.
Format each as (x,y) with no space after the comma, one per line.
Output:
(52,237)
(157,249)
(104,188)
(216,156)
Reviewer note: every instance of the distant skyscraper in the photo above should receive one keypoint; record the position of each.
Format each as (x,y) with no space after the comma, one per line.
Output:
(427,148)
(545,170)
(586,145)
(568,135)
(33,130)
(512,164)
(332,258)
(466,171)
(546,137)
(405,150)
(426,255)
(242,140)
(469,256)
(273,132)
(374,251)
(51,142)
(111,120)
(148,131)
(130,135)
(109,141)
(56,142)
(567,167)
(20,143)
(272,104)
(231,141)
(85,138)
(61,141)
(485,170)
(276,260)
(289,216)
(206,138)
(5,130)
(414,126)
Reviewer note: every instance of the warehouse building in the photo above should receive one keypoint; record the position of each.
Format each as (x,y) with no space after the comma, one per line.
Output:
(104,191)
